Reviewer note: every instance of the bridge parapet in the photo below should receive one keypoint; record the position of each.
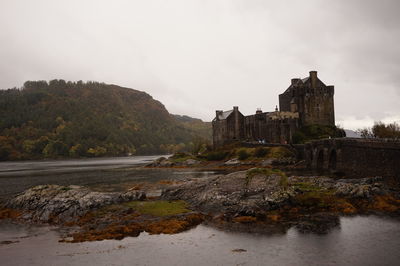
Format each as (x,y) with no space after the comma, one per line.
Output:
(355,157)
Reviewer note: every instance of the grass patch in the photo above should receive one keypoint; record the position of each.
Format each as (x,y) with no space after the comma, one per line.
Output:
(312,196)
(306,186)
(243,154)
(216,155)
(260,152)
(280,152)
(180,157)
(159,207)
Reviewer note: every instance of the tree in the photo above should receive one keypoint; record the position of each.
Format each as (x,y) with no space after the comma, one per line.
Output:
(381,130)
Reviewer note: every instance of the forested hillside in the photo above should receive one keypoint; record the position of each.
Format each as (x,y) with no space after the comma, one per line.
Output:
(76,119)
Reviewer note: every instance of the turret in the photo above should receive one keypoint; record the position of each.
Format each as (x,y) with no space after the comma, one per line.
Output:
(313,78)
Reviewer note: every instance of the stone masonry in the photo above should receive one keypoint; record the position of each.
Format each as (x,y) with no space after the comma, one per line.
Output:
(306,101)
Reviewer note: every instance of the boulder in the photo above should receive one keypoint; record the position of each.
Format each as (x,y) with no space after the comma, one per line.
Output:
(190,162)
(232,162)
(47,203)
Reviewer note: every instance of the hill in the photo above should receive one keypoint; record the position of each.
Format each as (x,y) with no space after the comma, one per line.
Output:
(204,129)
(76,119)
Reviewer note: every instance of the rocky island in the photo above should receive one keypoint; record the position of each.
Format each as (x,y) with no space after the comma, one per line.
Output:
(264,190)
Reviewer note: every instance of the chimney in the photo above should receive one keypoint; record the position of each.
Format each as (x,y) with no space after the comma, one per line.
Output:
(235,108)
(218,113)
(313,78)
(294,81)
(259,111)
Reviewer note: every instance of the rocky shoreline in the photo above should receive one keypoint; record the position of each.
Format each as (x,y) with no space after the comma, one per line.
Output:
(258,199)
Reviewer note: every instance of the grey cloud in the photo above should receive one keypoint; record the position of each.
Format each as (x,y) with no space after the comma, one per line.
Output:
(198,56)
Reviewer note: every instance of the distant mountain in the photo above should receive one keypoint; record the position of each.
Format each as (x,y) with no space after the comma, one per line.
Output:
(73,119)
(352,134)
(204,129)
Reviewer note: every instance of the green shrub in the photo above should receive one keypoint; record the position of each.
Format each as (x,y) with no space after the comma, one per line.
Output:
(243,154)
(216,155)
(260,152)
(311,132)
(179,155)
(280,152)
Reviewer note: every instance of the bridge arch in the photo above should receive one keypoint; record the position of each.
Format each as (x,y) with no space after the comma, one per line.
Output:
(320,159)
(332,163)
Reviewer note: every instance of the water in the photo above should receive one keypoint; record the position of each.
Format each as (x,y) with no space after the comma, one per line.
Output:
(367,240)
(104,174)
(360,241)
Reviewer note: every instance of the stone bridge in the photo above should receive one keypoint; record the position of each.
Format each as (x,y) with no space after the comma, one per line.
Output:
(355,157)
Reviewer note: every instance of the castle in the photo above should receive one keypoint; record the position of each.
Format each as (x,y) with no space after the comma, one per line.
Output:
(307,101)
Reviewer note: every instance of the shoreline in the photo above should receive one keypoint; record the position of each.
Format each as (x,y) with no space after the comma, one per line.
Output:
(255,200)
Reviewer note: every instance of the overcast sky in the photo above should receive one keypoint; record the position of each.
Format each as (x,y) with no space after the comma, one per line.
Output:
(199,56)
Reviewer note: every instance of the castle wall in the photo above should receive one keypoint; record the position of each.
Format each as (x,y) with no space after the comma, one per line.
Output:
(229,129)
(270,127)
(307,101)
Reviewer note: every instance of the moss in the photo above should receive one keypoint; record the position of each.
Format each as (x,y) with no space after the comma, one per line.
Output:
(317,199)
(128,226)
(159,208)
(306,186)
(173,226)
(385,203)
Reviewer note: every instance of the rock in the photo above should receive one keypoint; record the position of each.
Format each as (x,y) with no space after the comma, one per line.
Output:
(160,162)
(267,162)
(47,203)
(133,195)
(360,188)
(283,161)
(239,250)
(190,162)
(234,193)
(232,162)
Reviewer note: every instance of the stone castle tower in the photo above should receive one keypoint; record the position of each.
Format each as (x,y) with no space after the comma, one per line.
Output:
(306,101)
(311,98)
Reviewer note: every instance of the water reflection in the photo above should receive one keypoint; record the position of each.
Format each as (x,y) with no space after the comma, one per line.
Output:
(367,240)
